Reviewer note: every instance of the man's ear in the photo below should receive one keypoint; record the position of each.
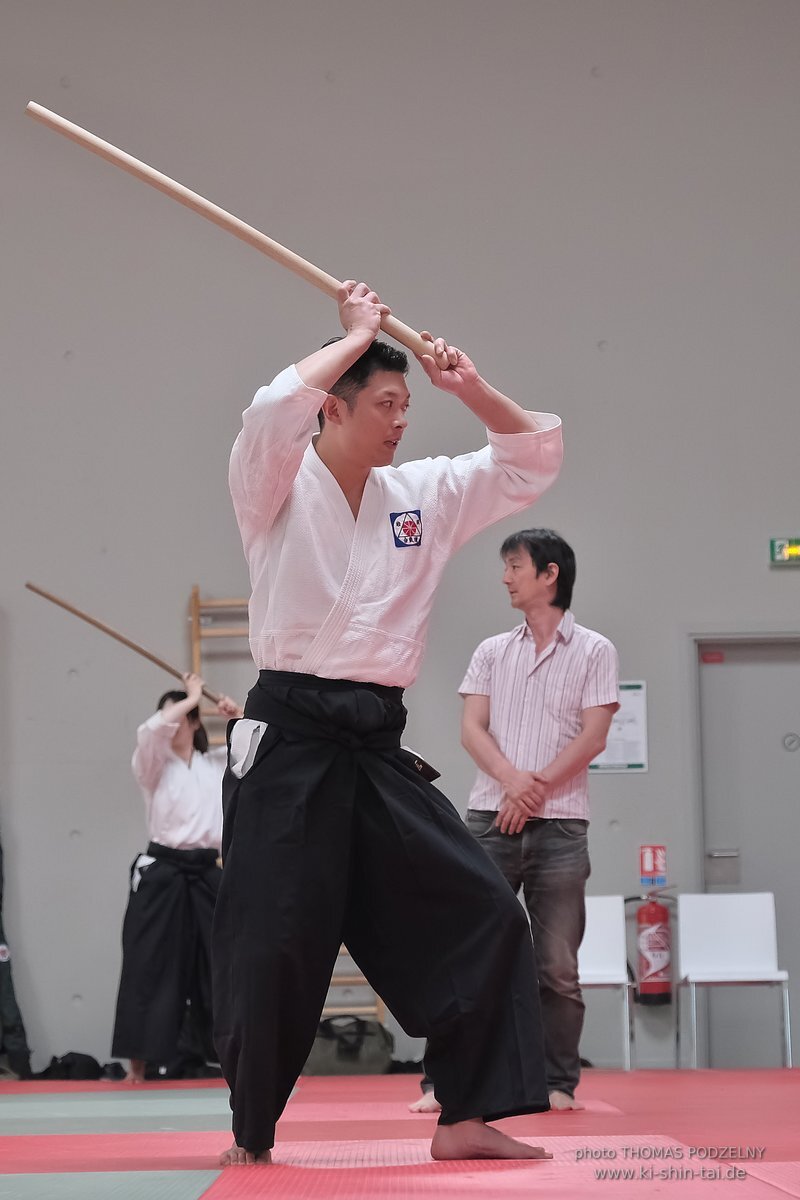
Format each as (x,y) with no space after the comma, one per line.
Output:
(553,571)
(332,409)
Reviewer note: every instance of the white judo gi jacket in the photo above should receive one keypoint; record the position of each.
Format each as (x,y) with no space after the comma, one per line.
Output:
(348,598)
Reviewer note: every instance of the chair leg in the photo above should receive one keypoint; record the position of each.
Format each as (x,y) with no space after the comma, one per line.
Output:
(693,1017)
(786,1024)
(626,1028)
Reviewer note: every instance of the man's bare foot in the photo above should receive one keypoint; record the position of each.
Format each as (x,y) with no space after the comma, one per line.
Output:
(563,1102)
(428,1103)
(135,1071)
(476,1139)
(237,1157)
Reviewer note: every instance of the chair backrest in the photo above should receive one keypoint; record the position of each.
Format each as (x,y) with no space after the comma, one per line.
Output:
(603,955)
(727,932)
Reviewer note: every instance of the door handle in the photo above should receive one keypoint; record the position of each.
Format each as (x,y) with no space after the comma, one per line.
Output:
(722,853)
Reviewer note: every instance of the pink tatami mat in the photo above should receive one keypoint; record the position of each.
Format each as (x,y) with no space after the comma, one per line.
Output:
(380,1110)
(354,1139)
(162,1151)
(403,1169)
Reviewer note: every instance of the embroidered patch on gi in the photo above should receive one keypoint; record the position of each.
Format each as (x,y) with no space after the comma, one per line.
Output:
(407,527)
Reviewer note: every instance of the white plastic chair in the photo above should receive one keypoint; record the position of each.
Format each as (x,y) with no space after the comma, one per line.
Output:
(603,957)
(729,938)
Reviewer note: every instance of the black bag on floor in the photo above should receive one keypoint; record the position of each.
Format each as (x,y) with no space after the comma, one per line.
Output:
(350,1046)
(71,1066)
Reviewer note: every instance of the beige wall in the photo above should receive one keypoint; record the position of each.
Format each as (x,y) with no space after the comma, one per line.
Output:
(598,198)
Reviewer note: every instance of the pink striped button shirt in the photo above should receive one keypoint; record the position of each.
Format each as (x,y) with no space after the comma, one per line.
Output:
(536,703)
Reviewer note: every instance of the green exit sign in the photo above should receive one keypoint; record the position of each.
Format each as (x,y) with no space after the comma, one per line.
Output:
(784,552)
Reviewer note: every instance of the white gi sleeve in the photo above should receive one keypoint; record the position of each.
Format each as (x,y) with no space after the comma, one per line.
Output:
(153,747)
(476,490)
(267,454)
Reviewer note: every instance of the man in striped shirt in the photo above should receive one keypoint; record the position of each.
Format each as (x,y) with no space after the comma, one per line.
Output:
(538,703)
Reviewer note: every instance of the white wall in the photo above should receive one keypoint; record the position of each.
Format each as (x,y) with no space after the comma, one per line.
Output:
(598,198)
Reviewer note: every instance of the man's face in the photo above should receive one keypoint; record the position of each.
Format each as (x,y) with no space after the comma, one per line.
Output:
(378,419)
(525,587)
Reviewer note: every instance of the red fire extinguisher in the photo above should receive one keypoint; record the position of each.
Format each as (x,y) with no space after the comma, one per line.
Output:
(654,943)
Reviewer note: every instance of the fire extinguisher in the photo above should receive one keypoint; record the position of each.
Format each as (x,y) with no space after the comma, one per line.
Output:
(654,943)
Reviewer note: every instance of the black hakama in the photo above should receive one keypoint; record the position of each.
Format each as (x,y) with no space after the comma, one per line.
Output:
(166,943)
(332,836)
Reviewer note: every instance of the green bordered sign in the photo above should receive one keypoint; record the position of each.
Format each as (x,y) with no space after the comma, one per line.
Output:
(784,552)
(626,747)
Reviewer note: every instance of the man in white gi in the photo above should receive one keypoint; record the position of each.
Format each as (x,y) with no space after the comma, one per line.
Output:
(538,703)
(165,986)
(331,834)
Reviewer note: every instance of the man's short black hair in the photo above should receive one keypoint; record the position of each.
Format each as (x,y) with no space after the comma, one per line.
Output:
(546,546)
(379,356)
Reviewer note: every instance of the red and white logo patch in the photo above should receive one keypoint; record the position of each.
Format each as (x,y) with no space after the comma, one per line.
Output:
(407,528)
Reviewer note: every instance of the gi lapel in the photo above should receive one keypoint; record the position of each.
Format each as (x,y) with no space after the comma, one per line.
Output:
(362,551)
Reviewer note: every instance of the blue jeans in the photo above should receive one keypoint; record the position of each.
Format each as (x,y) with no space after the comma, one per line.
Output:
(549,860)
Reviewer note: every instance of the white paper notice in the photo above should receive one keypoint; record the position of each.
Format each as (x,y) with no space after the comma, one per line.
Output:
(626,748)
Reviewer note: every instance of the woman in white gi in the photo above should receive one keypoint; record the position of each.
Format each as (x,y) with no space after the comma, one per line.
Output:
(331,834)
(167,929)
